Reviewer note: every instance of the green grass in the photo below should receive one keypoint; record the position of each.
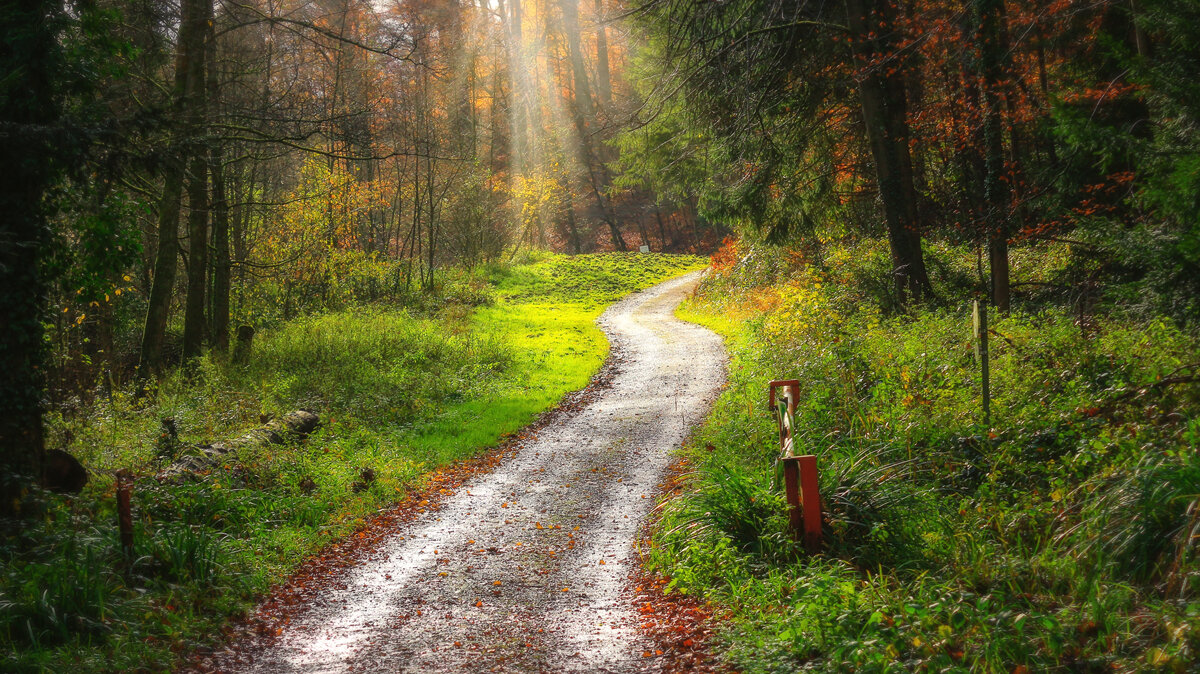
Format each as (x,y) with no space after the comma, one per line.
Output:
(401,392)
(1061,537)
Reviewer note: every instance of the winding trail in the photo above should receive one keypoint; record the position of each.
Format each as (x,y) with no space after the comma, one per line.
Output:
(526,568)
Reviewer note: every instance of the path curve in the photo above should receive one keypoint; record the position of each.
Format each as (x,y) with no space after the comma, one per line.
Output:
(526,568)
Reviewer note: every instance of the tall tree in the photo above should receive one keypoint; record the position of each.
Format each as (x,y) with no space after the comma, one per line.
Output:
(194,324)
(992,50)
(583,110)
(30,110)
(603,77)
(884,105)
(187,122)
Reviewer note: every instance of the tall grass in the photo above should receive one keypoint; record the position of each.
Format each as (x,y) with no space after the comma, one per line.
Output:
(1062,536)
(401,389)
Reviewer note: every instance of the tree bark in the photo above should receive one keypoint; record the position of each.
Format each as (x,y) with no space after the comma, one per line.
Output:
(603,78)
(193,317)
(189,71)
(221,266)
(28,156)
(884,109)
(990,16)
(194,323)
(583,113)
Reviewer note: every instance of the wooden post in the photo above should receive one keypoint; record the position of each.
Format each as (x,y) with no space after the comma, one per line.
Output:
(811,501)
(124,513)
(980,323)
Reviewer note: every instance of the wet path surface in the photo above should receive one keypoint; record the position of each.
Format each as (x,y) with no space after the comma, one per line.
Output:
(526,568)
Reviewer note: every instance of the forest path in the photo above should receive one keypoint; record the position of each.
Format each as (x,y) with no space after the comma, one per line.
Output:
(526,568)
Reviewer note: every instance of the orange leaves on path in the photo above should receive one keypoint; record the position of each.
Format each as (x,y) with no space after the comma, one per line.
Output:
(679,626)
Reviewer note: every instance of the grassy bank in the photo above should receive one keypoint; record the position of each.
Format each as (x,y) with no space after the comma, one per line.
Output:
(1062,536)
(400,391)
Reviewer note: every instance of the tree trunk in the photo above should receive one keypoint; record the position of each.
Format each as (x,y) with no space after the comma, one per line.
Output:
(583,111)
(990,15)
(603,79)
(573,227)
(193,317)
(163,285)
(28,60)
(662,230)
(189,79)
(520,87)
(583,91)
(884,109)
(221,267)
(194,324)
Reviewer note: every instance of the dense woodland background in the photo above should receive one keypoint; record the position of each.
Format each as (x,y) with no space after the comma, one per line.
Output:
(178,170)
(174,171)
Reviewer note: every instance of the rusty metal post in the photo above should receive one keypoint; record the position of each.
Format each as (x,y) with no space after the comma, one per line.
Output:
(811,500)
(791,486)
(124,514)
(793,386)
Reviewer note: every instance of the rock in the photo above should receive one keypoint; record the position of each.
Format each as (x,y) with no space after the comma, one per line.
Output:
(62,473)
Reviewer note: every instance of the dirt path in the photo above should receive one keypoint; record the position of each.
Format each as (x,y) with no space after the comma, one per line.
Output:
(525,568)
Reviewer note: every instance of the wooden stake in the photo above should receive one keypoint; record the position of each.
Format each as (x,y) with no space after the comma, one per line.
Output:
(980,323)
(124,513)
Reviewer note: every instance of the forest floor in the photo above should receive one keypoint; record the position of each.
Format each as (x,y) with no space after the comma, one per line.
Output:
(526,567)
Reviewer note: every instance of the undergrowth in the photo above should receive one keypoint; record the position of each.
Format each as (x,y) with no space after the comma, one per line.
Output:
(401,390)
(1061,536)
